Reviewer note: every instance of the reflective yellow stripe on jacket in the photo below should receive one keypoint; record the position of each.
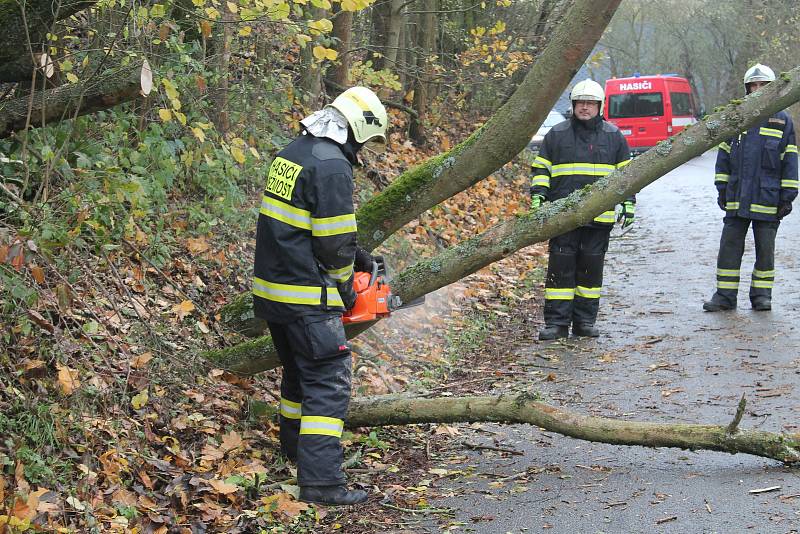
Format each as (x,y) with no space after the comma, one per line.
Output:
(606,217)
(586,169)
(295,294)
(300,218)
(771,132)
(327,226)
(286,213)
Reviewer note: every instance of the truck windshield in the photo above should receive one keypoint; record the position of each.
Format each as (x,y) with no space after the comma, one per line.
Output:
(627,105)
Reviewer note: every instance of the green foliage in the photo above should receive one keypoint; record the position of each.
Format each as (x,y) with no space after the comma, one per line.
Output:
(470,335)
(30,438)
(362,73)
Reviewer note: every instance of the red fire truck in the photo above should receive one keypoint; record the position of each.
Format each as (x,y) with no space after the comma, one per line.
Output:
(649,109)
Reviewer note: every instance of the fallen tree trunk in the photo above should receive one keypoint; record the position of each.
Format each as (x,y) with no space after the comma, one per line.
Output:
(503,136)
(100,91)
(553,218)
(527,408)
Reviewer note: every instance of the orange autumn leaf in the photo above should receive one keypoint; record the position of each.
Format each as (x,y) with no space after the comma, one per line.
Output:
(140,361)
(197,245)
(285,504)
(67,379)
(37,273)
(231,441)
(183,309)
(222,487)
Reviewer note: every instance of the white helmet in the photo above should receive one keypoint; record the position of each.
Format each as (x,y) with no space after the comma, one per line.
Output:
(588,90)
(758,73)
(364,113)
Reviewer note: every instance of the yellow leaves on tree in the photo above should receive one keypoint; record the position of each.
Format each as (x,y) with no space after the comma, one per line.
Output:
(319,27)
(321,53)
(355,5)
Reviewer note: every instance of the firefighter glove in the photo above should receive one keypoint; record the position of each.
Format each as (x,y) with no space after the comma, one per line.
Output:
(363,262)
(347,293)
(536,201)
(721,201)
(784,209)
(626,214)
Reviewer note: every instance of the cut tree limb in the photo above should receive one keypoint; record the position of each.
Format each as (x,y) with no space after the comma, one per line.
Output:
(526,408)
(101,91)
(555,218)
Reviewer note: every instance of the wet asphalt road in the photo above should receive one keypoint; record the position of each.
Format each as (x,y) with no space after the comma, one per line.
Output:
(660,358)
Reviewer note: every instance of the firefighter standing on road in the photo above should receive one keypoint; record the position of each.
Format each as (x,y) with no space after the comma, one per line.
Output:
(756,180)
(303,282)
(575,153)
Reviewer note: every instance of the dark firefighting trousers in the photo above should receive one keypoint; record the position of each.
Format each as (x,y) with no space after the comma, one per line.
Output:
(575,276)
(729,260)
(315,394)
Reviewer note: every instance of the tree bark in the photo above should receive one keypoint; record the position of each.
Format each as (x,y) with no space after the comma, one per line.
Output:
(426,43)
(101,91)
(20,28)
(495,144)
(343,32)
(555,218)
(311,73)
(526,408)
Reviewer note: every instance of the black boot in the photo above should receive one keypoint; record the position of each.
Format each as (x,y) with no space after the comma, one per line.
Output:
(718,303)
(585,330)
(332,495)
(761,303)
(555,331)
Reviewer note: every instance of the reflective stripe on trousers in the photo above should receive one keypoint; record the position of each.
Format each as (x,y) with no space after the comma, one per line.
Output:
(575,276)
(729,259)
(322,387)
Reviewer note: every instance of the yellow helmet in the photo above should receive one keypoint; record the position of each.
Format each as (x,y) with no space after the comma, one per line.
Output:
(364,113)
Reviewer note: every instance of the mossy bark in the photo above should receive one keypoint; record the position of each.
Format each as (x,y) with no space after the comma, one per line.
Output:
(526,408)
(555,218)
(101,91)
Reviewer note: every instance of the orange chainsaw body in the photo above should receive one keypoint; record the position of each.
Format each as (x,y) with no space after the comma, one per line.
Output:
(374,299)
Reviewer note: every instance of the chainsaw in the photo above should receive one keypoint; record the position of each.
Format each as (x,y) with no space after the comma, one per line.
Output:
(374,297)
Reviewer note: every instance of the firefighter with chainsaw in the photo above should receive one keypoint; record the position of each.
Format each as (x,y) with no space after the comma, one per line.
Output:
(576,153)
(303,282)
(756,180)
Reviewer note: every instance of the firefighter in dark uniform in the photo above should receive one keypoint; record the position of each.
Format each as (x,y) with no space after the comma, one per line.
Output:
(575,153)
(303,282)
(756,180)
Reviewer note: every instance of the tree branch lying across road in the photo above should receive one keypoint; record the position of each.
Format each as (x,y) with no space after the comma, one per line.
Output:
(526,408)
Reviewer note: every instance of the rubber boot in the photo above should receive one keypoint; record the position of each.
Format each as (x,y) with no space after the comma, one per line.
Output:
(585,330)
(761,303)
(555,331)
(718,303)
(332,495)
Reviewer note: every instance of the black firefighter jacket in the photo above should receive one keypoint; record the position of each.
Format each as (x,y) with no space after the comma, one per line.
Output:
(756,171)
(306,237)
(577,153)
